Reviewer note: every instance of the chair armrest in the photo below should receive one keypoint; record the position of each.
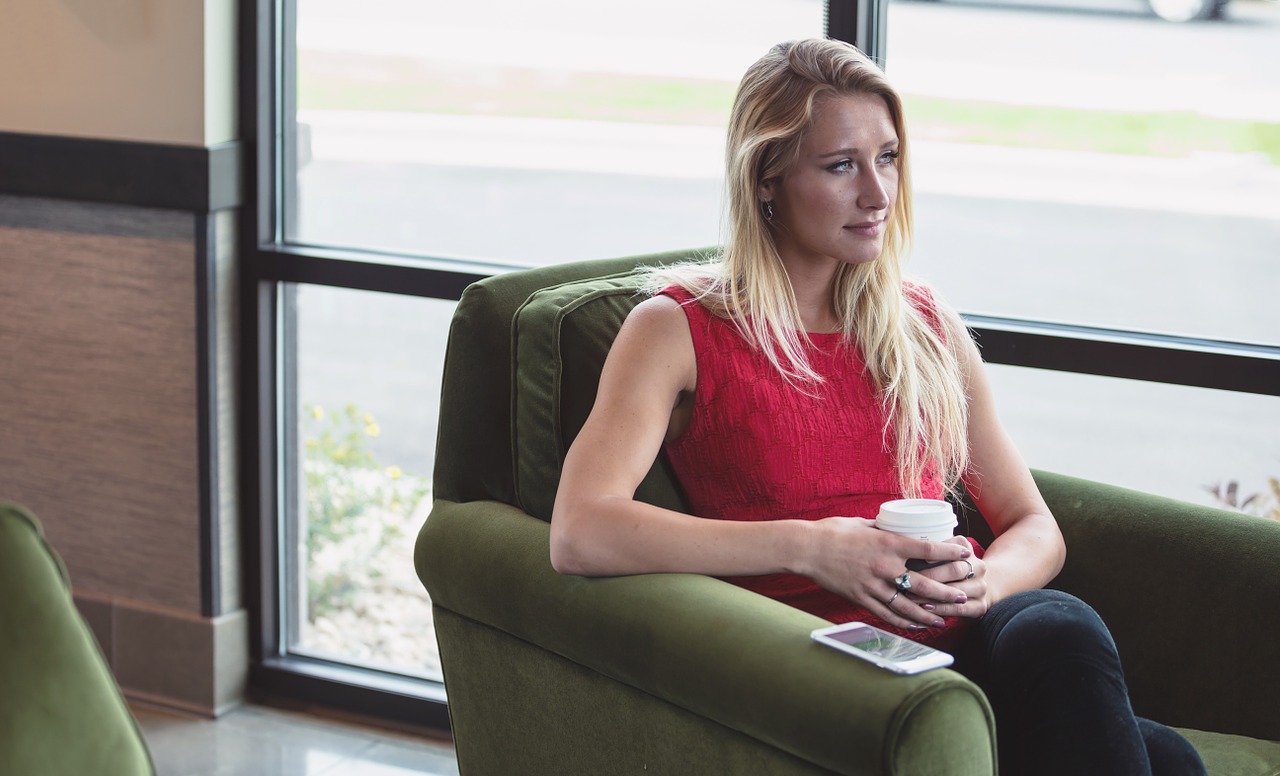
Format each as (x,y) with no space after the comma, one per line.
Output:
(1187,591)
(60,708)
(732,656)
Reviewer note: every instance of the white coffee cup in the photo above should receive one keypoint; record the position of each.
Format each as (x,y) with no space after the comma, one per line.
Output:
(919,518)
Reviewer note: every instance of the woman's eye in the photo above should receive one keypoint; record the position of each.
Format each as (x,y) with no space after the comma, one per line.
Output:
(844,165)
(889,157)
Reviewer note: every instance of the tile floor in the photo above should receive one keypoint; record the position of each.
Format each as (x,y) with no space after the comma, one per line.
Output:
(263,741)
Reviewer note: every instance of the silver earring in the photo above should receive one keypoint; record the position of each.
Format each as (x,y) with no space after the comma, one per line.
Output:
(768,210)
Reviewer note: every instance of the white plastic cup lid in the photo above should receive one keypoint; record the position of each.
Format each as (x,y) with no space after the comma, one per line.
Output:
(912,514)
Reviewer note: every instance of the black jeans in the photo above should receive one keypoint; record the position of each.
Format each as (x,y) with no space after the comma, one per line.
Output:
(1050,668)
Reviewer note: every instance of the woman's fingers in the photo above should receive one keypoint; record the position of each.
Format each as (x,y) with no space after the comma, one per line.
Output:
(903,611)
(967,576)
(955,572)
(949,551)
(928,589)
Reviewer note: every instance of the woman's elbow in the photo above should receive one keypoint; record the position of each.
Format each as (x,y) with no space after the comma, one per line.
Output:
(1062,553)
(1057,547)
(565,555)
(562,556)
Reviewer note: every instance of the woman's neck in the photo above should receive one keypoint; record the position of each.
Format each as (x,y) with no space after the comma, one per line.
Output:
(815,297)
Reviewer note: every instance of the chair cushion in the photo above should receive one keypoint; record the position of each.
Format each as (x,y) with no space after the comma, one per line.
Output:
(560,338)
(60,709)
(475,434)
(1227,755)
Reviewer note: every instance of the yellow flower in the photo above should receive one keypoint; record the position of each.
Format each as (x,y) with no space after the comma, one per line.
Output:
(372,430)
(317,412)
(368,419)
(394,472)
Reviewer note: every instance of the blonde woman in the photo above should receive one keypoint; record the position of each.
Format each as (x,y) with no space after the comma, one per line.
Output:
(796,383)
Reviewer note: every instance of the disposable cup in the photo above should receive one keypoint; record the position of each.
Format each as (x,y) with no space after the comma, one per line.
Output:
(920,518)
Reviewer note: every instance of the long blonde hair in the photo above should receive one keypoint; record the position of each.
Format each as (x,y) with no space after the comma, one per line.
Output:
(913,366)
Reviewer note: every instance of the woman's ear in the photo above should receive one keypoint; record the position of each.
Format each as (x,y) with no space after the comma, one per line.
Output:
(765,190)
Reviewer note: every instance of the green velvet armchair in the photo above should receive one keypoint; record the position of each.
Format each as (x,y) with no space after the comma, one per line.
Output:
(61,712)
(686,674)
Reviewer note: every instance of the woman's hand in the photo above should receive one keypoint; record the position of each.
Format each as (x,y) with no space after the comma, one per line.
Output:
(969,575)
(854,559)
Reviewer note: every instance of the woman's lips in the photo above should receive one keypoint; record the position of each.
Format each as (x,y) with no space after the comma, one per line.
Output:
(867,228)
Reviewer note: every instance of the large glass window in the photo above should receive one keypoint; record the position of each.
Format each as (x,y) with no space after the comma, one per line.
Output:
(1193,444)
(410,147)
(1095,164)
(1131,182)
(1080,162)
(526,133)
(364,378)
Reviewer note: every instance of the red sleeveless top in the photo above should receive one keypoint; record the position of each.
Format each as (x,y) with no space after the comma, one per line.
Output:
(757,448)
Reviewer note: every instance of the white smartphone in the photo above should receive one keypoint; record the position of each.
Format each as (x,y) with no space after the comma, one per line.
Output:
(894,653)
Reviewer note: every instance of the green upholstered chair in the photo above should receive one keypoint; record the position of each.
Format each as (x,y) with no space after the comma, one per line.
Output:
(685,674)
(60,710)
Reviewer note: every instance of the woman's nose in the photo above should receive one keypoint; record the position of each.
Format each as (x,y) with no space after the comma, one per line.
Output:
(873,192)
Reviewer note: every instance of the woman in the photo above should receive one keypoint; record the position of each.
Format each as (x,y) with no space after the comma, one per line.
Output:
(797,383)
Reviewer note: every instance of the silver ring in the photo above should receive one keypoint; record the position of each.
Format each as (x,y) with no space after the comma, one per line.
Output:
(903,583)
(889,603)
(971,571)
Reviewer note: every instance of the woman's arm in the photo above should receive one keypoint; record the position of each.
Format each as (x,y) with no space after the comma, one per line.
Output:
(597,526)
(599,529)
(1028,551)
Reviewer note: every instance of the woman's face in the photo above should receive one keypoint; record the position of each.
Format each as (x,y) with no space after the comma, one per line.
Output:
(834,202)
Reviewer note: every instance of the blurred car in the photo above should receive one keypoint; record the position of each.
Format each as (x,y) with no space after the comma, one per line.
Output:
(1169,10)
(1187,10)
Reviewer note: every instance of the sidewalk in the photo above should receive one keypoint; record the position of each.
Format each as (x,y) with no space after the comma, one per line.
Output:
(1205,93)
(1204,184)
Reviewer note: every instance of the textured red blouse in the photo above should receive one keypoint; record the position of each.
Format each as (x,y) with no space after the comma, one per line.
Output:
(757,448)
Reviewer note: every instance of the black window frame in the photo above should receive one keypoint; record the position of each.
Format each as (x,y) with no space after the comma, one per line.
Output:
(268,263)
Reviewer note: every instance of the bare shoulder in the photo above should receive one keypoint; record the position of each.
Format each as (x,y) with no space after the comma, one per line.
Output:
(657,311)
(655,321)
(655,336)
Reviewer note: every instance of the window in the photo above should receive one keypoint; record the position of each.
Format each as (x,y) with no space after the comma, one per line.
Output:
(1136,190)
(522,133)
(406,150)
(1096,189)
(1178,441)
(363,374)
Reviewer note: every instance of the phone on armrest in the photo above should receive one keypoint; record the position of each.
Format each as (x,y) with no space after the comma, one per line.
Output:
(890,652)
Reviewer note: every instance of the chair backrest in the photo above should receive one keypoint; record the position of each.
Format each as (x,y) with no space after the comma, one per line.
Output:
(524,358)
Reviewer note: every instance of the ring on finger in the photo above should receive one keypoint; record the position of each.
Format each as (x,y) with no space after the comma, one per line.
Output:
(889,603)
(971,571)
(903,583)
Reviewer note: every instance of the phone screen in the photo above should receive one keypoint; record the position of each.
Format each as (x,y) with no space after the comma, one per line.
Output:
(883,645)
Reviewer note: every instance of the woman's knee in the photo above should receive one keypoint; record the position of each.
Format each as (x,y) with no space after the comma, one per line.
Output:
(1048,627)
(1170,754)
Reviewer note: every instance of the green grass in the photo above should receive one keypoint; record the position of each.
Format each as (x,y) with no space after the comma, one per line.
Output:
(1153,134)
(394,84)
(397,84)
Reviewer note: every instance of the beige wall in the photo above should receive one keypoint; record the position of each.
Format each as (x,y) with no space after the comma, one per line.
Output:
(99,346)
(160,71)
